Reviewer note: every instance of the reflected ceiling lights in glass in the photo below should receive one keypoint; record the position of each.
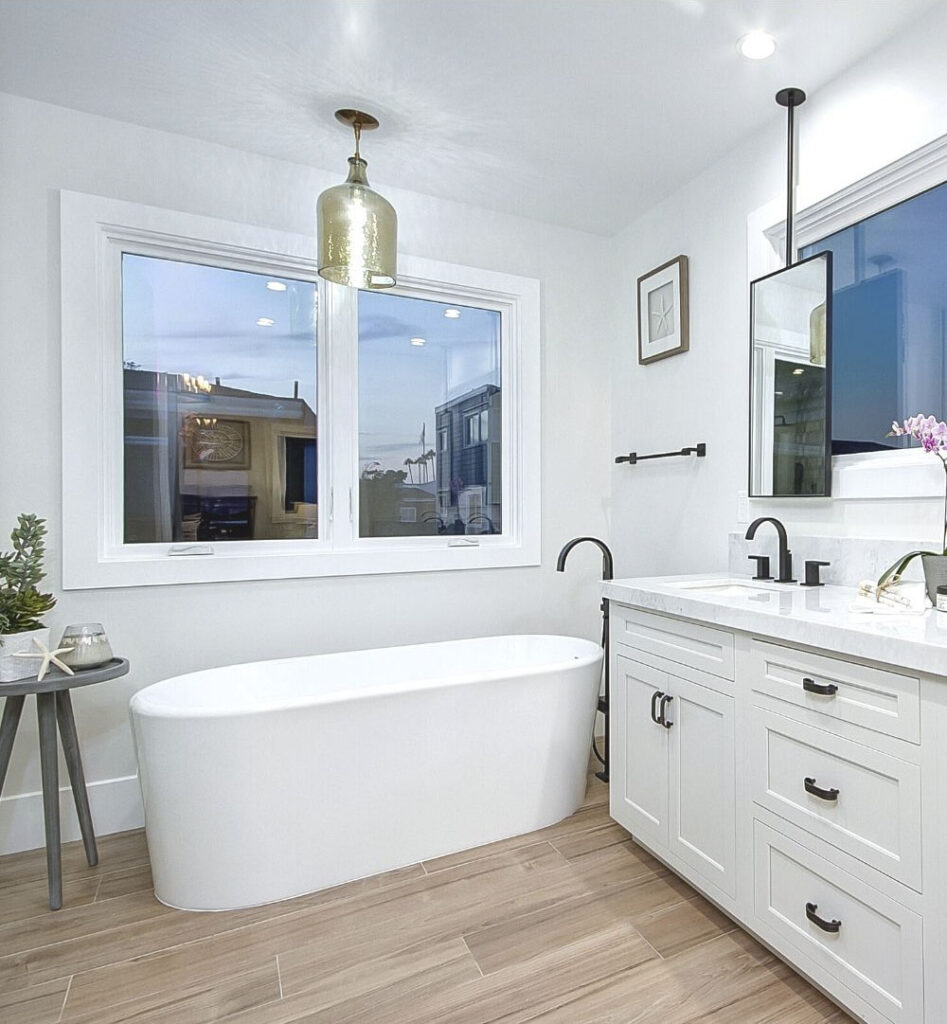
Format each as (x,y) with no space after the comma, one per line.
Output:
(357,228)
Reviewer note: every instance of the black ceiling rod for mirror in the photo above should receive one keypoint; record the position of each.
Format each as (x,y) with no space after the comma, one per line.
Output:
(790,99)
(700,450)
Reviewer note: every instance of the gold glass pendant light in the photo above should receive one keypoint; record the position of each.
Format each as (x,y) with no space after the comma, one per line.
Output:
(357,228)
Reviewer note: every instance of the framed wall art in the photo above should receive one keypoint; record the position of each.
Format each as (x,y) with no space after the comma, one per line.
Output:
(662,311)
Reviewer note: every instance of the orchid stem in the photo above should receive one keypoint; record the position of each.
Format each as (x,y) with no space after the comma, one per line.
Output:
(944,545)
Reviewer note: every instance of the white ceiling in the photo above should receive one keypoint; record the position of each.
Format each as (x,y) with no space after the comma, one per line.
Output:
(576,112)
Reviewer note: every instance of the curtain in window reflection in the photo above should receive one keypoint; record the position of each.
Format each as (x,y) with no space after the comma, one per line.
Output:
(430,427)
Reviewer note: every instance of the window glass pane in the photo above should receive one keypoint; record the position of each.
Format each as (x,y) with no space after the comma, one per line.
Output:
(889,346)
(424,376)
(220,403)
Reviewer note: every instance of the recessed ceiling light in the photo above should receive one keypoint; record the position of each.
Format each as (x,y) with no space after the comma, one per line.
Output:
(452,314)
(265,321)
(756,45)
(276,286)
(418,342)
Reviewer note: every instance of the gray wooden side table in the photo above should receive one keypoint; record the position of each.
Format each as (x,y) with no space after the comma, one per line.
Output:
(53,704)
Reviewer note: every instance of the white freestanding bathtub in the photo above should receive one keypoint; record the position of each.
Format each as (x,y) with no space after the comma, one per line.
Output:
(268,780)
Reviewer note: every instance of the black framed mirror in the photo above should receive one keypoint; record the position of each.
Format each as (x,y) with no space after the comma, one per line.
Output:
(790,381)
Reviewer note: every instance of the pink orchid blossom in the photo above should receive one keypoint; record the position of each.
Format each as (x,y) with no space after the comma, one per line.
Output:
(932,433)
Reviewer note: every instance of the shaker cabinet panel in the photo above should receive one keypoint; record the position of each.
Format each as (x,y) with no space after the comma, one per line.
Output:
(702,812)
(638,755)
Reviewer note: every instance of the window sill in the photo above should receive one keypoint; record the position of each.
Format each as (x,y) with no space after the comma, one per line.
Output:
(241,561)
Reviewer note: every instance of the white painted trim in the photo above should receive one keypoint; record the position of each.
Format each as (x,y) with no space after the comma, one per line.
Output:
(873,475)
(115,803)
(94,230)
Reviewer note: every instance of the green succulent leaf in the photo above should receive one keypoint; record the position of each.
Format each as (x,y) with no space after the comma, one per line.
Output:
(22,605)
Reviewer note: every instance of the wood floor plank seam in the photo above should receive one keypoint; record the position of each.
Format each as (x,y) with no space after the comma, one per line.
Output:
(279,977)
(65,998)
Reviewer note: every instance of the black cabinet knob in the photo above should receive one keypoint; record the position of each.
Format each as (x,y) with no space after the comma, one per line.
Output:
(812,574)
(762,566)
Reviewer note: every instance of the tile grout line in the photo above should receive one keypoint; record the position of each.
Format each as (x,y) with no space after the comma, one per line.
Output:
(279,977)
(463,939)
(62,1009)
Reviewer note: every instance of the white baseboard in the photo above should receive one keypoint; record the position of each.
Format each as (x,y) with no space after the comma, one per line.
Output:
(115,803)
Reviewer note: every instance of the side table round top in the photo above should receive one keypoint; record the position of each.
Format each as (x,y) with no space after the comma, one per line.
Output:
(56,680)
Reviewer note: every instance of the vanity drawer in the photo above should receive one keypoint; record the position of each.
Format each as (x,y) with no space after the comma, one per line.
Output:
(685,643)
(875,814)
(885,702)
(876,948)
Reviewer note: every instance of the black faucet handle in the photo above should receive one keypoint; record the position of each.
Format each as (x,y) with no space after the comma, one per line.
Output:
(762,566)
(812,574)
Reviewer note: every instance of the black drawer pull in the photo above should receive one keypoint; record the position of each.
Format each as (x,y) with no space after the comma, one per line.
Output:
(662,713)
(826,689)
(826,926)
(822,794)
(655,697)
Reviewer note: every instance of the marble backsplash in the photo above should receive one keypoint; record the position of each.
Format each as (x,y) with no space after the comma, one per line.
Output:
(852,559)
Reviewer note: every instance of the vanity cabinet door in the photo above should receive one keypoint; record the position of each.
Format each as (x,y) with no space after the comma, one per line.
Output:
(702,811)
(639,752)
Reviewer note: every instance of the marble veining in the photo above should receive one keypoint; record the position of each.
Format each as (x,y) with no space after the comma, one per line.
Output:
(852,559)
(814,617)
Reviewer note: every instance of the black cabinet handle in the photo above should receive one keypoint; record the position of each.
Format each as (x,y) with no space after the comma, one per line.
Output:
(822,794)
(662,719)
(655,697)
(826,689)
(826,926)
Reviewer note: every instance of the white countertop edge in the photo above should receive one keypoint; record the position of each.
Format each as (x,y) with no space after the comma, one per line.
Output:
(815,617)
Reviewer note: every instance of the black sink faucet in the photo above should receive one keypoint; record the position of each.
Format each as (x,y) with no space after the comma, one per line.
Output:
(785,555)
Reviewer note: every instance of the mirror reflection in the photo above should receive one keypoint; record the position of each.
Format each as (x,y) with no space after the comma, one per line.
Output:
(790,380)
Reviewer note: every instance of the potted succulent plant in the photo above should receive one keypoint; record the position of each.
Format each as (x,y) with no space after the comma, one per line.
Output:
(22,606)
(932,434)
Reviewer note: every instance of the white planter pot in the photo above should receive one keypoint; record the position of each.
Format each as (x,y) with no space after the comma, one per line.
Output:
(12,668)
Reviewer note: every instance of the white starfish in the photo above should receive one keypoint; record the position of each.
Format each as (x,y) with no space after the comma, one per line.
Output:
(48,658)
(662,315)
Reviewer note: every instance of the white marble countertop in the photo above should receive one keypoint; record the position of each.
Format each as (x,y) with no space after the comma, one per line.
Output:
(814,616)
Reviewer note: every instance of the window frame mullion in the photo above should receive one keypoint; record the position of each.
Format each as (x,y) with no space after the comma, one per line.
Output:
(339,366)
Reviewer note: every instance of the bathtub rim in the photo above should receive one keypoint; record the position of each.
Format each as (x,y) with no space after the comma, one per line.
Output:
(139,704)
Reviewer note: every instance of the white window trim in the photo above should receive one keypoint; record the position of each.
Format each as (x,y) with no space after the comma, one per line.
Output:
(94,231)
(868,475)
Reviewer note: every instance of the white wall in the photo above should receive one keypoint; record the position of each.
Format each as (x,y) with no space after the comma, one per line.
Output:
(166,630)
(675,516)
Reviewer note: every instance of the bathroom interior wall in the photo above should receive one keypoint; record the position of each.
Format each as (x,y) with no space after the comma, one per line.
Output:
(173,629)
(676,516)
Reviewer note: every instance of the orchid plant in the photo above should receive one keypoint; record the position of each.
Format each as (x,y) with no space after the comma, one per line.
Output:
(932,434)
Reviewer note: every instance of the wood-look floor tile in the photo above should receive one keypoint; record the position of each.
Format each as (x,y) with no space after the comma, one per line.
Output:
(572,924)
(680,926)
(40,1004)
(784,999)
(123,883)
(446,903)
(540,932)
(116,852)
(209,998)
(31,899)
(583,819)
(357,992)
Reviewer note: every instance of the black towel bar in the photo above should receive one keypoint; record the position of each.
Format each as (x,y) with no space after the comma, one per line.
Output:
(700,450)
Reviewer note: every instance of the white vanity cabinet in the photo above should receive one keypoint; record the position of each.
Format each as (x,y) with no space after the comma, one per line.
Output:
(804,791)
(672,780)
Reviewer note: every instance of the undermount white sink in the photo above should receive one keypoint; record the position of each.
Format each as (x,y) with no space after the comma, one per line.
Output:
(724,587)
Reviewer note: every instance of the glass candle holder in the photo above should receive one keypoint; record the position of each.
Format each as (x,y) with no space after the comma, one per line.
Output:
(89,646)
